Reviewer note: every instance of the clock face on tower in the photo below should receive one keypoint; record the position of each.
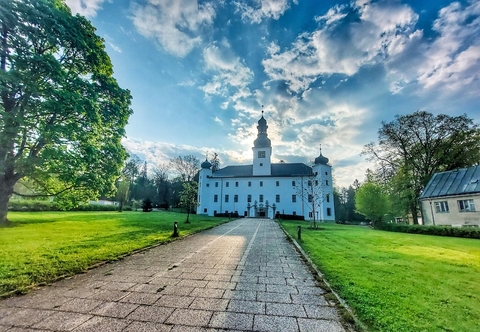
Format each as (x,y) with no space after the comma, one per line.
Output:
(261,154)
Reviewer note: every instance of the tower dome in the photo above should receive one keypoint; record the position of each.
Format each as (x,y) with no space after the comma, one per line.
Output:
(262,140)
(321,160)
(206,164)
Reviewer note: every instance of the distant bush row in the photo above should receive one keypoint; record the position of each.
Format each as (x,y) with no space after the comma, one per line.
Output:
(464,232)
(37,206)
(283,216)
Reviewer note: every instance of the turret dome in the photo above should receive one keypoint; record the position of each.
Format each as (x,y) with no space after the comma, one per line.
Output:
(206,164)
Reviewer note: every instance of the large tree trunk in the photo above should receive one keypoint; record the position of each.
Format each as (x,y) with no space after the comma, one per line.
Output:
(6,192)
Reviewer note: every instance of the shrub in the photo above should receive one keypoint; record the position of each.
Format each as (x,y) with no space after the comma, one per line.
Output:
(464,232)
(227,215)
(283,216)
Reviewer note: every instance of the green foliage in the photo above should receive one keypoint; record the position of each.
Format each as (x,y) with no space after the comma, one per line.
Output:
(415,146)
(28,205)
(371,201)
(41,246)
(188,197)
(147,205)
(62,114)
(465,232)
(398,282)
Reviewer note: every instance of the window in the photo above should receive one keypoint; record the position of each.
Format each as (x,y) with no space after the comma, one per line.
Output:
(310,214)
(326,173)
(293,183)
(235,199)
(227,184)
(260,198)
(310,198)
(216,184)
(309,183)
(277,183)
(329,211)
(261,183)
(261,164)
(327,198)
(249,199)
(249,183)
(205,210)
(441,207)
(316,182)
(236,184)
(466,205)
(294,198)
(277,198)
(208,184)
(261,154)
(226,198)
(215,198)
(294,213)
(326,182)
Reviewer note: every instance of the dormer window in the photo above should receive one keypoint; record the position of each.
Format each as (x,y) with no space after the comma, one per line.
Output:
(261,154)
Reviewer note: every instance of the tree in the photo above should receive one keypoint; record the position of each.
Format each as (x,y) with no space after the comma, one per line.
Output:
(162,185)
(311,192)
(215,161)
(62,114)
(413,147)
(372,202)
(188,197)
(186,167)
(123,187)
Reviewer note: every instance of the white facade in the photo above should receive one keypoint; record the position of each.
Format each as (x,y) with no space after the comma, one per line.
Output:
(263,189)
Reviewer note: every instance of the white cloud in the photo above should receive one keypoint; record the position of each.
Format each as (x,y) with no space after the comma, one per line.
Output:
(175,25)
(230,74)
(383,29)
(115,47)
(262,9)
(87,8)
(452,61)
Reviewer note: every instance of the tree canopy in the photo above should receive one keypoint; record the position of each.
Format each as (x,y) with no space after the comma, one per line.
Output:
(413,147)
(62,114)
(371,201)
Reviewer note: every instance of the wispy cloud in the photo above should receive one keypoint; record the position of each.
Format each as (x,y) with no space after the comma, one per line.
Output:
(175,25)
(261,9)
(86,8)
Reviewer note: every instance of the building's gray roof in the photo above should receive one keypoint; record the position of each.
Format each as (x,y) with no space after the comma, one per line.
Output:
(278,170)
(457,182)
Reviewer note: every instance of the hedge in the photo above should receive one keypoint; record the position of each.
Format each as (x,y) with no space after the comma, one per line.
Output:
(38,206)
(284,216)
(465,232)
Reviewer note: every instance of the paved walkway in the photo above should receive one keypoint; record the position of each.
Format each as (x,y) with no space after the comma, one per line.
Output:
(241,276)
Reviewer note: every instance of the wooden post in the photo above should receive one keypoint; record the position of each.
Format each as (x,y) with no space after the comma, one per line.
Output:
(299,232)
(175,229)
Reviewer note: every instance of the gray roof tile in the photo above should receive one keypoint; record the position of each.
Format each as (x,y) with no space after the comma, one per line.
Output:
(457,182)
(278,170)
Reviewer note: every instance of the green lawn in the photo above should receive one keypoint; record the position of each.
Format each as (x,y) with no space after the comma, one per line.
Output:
(396,281)
(41,246)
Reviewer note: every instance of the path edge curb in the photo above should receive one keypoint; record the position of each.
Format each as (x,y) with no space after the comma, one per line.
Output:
(313,266)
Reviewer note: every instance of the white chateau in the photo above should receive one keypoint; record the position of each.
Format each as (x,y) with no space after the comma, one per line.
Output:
(264,189)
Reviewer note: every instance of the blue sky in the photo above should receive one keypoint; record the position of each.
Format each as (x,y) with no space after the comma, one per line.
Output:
(327,72)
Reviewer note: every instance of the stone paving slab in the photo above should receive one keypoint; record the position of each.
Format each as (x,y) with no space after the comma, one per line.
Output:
(241,276)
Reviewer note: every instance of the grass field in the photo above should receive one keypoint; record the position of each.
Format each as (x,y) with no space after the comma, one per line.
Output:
(40,246)
(396,281)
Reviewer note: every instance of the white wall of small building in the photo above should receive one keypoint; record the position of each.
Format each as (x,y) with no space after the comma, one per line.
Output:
(454,216)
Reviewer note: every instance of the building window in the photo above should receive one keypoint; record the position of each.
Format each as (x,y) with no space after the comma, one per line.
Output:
(326,173)
(261,164)
(329,211)
(326,182)
(215,198)
(294,198)
(261,183)
(216,184)
(327,198)
(294,213)
(261,154)
(277,183)
(309,183)
(208,184)
(226,198)
(249,199)
(277,198)
(260,198)
(466,205)
(310,198)
(236,184)
(227,184)
(249,183)
(235,199)
(316,182)
(441,207)
(293,183)
(205,210)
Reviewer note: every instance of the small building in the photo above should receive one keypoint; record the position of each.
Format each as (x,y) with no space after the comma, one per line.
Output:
(452,198)
(263,189)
